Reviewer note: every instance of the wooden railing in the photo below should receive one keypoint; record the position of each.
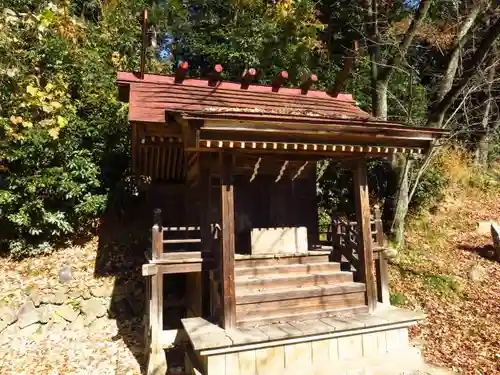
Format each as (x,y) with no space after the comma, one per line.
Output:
(170,243)
(344,238)
(172,240)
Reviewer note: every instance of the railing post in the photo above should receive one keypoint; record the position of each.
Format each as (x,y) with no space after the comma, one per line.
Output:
(365,251)
(157,236)
(156,361)
(381,266)
(379,226)
(336,239)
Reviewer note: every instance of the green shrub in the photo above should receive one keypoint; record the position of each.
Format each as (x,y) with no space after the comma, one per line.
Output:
(63,132)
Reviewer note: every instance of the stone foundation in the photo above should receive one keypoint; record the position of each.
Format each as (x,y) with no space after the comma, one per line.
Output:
(361,344)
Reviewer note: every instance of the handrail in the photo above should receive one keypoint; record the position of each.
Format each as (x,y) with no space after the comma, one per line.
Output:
(341,239)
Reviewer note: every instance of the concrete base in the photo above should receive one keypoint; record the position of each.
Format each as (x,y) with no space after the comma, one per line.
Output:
(362,344)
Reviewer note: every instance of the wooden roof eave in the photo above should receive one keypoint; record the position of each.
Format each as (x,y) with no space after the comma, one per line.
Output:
(325,138)
(288,132)
(313,124)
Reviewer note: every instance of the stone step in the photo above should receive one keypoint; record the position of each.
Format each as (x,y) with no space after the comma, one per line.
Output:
(291,315)
(252,272)
(292,281)
(282,259)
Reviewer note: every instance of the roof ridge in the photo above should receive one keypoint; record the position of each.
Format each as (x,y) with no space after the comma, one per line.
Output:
(128,77)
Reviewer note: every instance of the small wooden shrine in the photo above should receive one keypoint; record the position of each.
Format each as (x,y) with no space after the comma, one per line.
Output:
(236,162)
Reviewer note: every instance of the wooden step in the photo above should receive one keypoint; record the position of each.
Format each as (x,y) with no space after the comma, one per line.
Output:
(283,317)
(286,269)
(291,281)
(309,258)
(271,295)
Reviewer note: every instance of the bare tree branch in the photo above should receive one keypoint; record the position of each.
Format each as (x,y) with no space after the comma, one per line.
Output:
(385,74)
(460,40)
(436,115)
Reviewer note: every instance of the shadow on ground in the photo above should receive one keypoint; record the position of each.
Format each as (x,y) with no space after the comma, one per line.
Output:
(124,236)
(486,251)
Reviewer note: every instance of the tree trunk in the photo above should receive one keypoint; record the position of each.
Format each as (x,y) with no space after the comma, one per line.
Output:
(402,201)
(461,38)
(483,139)
(380,100)
(396,204)
(482,151)
(483,143)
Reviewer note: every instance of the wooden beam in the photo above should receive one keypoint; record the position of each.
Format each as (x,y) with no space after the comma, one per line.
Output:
(306,85)
(365,251)
(227,243)
(181,71)
(247,77)
(344,73)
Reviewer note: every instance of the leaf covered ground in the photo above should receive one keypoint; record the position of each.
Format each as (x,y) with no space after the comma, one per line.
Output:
(433,273)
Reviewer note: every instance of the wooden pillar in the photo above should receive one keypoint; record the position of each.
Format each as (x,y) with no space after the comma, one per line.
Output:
(157,361)
(205,191)
(365,250)
(227,250)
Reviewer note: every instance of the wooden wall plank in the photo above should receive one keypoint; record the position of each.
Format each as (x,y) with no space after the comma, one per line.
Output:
(365,250)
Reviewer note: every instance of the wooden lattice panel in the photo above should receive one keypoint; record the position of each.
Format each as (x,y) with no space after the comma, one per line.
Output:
(162,159)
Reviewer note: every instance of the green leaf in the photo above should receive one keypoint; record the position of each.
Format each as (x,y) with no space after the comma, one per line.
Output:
(61,122)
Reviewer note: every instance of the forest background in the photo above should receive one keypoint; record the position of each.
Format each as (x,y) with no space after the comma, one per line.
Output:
(64,139)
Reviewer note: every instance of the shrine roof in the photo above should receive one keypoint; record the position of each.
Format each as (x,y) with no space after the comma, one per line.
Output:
(219,114)
(149,98)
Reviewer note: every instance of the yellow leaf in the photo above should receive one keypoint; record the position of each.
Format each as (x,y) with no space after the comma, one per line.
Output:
(49,87)
(17,136)
(16,119)
(56,105)
(31,90)
(27,124)
(54,133)
(47,108)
